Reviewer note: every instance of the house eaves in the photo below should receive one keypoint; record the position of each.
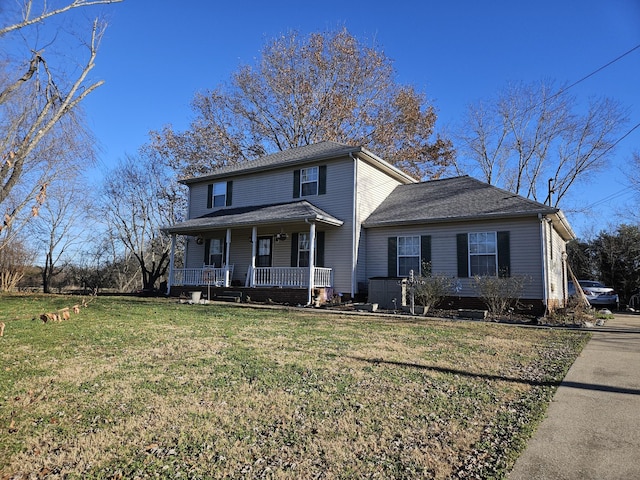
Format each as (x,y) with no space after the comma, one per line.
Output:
(561,224)
(456,218)
(314,153)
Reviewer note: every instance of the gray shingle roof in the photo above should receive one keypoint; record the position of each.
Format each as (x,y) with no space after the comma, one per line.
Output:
(314,152)
(457,198)
(255,215)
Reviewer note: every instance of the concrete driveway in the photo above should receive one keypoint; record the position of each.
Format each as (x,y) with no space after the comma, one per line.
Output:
(592,428)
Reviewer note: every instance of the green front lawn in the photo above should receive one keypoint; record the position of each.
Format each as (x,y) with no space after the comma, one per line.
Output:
(134,387)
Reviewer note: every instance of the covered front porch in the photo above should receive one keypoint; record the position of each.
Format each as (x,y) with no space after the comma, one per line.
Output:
(263,247)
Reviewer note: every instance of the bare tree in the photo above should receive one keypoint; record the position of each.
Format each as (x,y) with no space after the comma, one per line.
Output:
(628,212)
(634,171)
(38,105)
(140,197)
(534,140)
(15,258)
(124,268)
(61,224)
(327,86)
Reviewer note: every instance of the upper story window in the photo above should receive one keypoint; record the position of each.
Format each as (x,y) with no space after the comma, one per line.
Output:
(219,194)
(483,254)
(309,181)
(408,255)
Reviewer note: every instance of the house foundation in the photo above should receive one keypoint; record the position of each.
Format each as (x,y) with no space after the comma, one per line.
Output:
(284,296)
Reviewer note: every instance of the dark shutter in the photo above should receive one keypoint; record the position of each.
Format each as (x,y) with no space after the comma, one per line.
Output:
(425,253)
(319,249)
(229,193)
(294,249)
(463,255)
(322,180)
(210,195)
(504,255)
(296,184)
(392,257)
(207,245)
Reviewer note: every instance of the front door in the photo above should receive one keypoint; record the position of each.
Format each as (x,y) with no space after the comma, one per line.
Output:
(264,257)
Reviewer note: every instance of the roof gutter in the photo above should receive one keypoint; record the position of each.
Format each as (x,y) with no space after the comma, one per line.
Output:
(496,216)
(565,225)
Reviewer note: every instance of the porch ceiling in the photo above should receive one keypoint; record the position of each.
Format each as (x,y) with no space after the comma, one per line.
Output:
(256,215)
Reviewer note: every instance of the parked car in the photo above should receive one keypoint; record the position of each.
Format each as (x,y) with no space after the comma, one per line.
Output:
(597,294)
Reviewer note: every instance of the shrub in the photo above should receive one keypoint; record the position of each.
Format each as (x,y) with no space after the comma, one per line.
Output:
(499,294)
(430,289)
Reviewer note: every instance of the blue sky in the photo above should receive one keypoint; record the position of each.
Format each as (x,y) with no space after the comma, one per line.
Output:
(157,53)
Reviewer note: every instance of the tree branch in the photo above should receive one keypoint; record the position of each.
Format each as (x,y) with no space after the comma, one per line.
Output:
(26,20)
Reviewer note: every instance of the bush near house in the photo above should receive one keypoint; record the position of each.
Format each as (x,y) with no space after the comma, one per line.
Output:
(500,294)
(430,289)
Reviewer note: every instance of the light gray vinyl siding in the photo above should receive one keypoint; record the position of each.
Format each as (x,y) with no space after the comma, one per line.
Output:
(276,186)
(197,200)
(338,201)
(556,246)
(194,254)
(525,248)
(373,187)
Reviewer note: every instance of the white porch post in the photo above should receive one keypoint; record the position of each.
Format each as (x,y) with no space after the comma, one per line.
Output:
(312,254)
(227,280)
(254,247)
(172,256)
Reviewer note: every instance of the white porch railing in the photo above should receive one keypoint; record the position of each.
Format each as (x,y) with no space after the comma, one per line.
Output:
(220,277)
(293,277)
(286,277)
(323,277)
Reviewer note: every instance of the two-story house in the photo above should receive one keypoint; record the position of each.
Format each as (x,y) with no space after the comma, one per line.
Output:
(321,220)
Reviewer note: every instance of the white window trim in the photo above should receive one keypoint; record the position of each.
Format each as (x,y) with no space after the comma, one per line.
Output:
(302,235)
(495,253)
(217,188)
(419,255)
(304,175)
(213,242)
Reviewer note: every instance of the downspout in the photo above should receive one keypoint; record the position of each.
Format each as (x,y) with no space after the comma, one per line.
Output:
(543,251)
(354,241)
(172,262)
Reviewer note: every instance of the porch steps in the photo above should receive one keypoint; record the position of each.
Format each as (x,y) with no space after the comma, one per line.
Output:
(230,296)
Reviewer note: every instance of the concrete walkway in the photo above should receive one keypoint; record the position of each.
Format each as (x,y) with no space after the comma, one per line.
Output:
(592,428)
